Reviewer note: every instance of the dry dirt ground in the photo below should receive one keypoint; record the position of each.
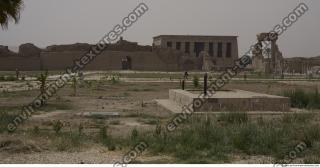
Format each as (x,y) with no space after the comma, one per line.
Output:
(134,101)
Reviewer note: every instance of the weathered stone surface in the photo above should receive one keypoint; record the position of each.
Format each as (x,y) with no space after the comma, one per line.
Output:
(29,50)
(71,47)
(4,51)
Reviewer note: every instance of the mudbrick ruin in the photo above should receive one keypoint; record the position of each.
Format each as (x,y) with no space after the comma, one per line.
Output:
(167,53)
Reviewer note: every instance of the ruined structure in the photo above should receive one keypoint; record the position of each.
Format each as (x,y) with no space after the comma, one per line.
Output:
(185,54)
(302,65)
(267,57)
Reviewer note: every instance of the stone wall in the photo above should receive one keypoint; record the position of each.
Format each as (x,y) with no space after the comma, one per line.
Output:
(115,57)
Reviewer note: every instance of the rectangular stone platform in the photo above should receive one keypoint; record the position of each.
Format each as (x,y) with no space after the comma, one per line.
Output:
(231,100)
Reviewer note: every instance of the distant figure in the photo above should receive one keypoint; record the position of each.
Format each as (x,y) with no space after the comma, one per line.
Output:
(186,75)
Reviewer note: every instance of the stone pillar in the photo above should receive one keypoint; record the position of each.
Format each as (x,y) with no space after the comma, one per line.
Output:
(215,49)
(183,47)
(206,47)
(224,50)
(174,44)
(192,49)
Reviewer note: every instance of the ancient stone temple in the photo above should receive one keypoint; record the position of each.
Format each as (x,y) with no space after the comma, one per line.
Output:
(222,50)
(267,57)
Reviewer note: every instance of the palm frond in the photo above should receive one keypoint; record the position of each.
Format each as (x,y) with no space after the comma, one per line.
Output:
(10,10)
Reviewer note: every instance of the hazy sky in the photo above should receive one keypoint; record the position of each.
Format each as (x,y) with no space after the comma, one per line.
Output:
(47,22)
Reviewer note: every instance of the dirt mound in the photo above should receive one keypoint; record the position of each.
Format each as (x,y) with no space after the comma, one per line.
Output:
(17,146)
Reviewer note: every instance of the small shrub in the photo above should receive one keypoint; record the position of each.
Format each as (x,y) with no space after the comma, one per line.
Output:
(57,126)
(106,139)
(42,81)
(68,142)
(158,130)
(134,134)
(36,130)
(80,129)
(5,119)
(114,78)
(195,81)
(74,85)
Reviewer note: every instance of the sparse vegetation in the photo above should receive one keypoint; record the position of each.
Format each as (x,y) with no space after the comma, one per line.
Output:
(36,130)
(105,139)
(68,142)
(42,79)
(57,126)
(8,78)
(74,85)
(5,119)
(209,141)
(217,139)
(134,135)
(234,117)
(303,99)
(297,117)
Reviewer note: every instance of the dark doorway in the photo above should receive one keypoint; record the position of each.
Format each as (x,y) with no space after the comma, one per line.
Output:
(126,63)
(198,48)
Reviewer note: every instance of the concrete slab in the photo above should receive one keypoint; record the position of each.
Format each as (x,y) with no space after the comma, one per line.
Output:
(229,100)
(170,105)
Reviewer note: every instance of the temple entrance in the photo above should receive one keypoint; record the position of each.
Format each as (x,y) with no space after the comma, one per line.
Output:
(126,63)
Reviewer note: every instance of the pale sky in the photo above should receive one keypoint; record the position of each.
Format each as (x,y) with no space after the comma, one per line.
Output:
(48,22)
